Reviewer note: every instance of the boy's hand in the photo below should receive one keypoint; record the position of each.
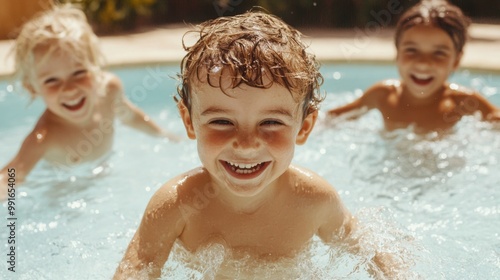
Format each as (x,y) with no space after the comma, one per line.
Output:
(386,263)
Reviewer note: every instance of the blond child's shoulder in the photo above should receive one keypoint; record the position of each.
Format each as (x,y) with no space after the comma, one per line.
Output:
(111,83)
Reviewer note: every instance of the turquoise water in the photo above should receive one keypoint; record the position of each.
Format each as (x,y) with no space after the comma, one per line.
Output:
(433,200)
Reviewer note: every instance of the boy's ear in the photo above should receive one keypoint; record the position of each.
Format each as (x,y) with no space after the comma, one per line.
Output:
(307,127)
(186,119)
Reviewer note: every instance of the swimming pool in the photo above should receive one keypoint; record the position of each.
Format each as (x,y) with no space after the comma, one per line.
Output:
(436,199)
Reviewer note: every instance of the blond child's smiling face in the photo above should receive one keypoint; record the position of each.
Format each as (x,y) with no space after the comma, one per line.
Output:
(246,137)
(426,57)
(66,85)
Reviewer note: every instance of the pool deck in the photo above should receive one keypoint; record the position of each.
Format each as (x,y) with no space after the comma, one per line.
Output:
(163,45)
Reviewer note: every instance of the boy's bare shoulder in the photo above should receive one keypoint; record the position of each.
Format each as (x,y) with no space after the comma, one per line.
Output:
(314,193)
(183,187)
(307,183)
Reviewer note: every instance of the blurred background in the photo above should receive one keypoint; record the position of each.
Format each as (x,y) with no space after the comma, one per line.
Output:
(117,16)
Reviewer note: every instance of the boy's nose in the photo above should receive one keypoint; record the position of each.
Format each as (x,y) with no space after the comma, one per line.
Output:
(246,140)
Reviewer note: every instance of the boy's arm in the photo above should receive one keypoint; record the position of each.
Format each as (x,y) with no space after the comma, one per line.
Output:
(341,227)
(369,100)
(148,250)
(31,151)
(131,115)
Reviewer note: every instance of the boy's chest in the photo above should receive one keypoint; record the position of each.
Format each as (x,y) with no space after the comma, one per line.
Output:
(271,235)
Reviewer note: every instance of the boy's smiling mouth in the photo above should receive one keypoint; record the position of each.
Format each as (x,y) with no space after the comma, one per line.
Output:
(74,105)
(422,79)
(245,170)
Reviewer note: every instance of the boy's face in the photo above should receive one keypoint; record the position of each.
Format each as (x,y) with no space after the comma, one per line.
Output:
(426,57)
(66,85)
(246,137)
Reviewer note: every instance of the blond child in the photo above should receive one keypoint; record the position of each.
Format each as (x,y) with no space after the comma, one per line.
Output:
(58,59)
(249,94)
(429,39)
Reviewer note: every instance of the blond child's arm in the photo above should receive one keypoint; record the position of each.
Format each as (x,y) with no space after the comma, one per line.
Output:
(150,247)
(31,151)
(131,115)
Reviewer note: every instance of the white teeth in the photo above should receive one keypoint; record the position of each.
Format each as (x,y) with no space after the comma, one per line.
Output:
(243,165)
(73,102)
(422,76)
(244,168)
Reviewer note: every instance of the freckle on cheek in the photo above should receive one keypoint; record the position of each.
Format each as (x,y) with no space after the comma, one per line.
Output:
(214,138)
(276,140)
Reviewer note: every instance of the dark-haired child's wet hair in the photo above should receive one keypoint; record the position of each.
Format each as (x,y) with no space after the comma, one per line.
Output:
(437,13)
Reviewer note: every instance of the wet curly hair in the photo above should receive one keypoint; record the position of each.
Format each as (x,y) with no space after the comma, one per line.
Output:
(437,13)
(256,49)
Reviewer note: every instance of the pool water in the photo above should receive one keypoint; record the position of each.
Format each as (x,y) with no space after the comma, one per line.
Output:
(434,201)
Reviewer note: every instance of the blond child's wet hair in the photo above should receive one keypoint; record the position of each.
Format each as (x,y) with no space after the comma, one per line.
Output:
(256,49)
(60,28)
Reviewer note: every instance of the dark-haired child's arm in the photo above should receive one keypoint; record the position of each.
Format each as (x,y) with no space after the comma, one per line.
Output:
(369,100)
(356,107)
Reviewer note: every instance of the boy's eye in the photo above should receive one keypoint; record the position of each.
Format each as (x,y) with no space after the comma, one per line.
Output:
(272,123)
(221,122)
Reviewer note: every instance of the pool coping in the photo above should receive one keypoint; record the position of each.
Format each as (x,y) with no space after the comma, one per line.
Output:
(163,45)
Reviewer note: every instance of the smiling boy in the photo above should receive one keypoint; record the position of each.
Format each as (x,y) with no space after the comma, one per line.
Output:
(249,94)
